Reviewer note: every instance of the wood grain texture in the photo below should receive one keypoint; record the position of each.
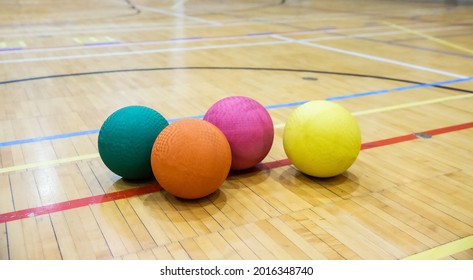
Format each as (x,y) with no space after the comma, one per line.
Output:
(401,67)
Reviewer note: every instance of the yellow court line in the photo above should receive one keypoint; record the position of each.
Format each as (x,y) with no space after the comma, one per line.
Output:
(47,163)
(403,106)
(444,250)
(180,3)
(281,125)
(412,104)
(431,38)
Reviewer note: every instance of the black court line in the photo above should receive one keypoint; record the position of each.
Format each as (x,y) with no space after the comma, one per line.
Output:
(227,68)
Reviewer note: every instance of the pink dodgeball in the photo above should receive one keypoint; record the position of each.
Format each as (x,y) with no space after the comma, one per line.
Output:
(248,127)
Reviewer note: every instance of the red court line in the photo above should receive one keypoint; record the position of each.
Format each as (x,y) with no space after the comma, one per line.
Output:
(76,203)
(273,164)
(413,136)
(449,128)
(388,141)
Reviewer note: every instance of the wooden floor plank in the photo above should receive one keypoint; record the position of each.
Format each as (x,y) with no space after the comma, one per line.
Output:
(226,249)
(16,239)
(6,201)
(136,225)
(382,211)
(146,216)
(132,256)
(306,187)
(4,254)
(416,221)
(384,229)
(224,206)
(232,200)
(454,186)
(357,239)
(445,221)
(162,253)
(174,215)
(404,76)
(264,235)
(304,249)
(193,249)
(238,245)
(146,255)
(455,207)
(259,207)
(177,252)
(220,217)
(465,255)
(24,191)
(194,222)
(79,234)
(331,247)
(94,234)
(253,243)
(115,230)
(207,245)
(68,249)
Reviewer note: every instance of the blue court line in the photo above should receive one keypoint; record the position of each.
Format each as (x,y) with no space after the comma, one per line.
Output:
(10,49)
(355,95)
(50,137)
(189,117)
(285,105)
(392,43)
(102,43)
(185,38)
(361,94)
(424,39)
(260,34)
(269,107)
(395,43)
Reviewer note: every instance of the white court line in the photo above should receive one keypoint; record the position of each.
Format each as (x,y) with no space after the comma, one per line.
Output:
(374,34)
(150,43)
(51,58)
(75,47)
(121,29)
(178,5)
(172,25)
(283,40)
(367,56)
(101,30)
(165,25)
(402,106)
(198,22)
(145,27)
(45,31)
(179,15)
(223,38)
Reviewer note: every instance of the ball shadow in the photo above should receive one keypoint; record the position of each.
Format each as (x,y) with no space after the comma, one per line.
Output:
(345,183)
(124,184)
(216,197)
(164,202)
(255,175)
(190,209)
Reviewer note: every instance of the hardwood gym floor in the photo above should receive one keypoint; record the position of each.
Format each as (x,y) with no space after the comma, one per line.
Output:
(404,68)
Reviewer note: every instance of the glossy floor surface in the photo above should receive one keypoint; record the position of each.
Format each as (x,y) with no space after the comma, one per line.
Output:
(403,68)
